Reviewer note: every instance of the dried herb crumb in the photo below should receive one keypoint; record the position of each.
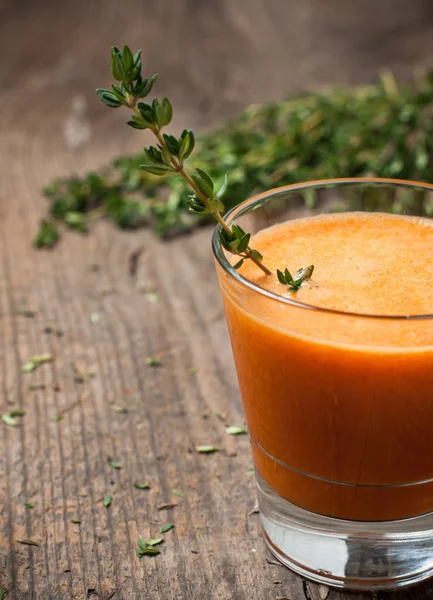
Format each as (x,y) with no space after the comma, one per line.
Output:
(95,318)
(120,409)
(26,542)
(167,527)
(33,387)
(177,493)
(235,430)
(192,371)
(141,486)
(206,449)
(76,521)
(277,582)
(58,418)
(2,594)
(166,506)
(28,505)
(25,312)
(108,500)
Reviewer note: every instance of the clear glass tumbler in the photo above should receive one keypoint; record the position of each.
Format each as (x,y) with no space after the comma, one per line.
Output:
(341,429)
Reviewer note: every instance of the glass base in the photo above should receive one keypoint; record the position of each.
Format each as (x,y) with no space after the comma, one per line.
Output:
(356,555)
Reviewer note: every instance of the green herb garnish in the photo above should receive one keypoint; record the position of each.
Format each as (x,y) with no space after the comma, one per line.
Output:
(235,430)
(9,418)
(146,548)
(177,493)
(153,361)
(170,152)
(76,521)
(152,297)
(107,500)
(295,282)
(206,449)
(114,464)
(155,541)
(167,527)
(28,505)
(47,236)
(141,486)
(35,361)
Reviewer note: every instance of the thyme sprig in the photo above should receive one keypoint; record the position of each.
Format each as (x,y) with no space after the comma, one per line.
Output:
(170,152)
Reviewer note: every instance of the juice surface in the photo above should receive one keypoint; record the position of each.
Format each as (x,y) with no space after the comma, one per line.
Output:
(340,407)
(369,263)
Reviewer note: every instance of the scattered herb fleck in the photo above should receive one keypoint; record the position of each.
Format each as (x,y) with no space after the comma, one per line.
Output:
(192,371)
(76,521)
(140,552)
(221,416)
(155,541)
(167,527)
(107,500)
(114,464)
(33,387)
(152,297)
(28,367)
(28,505)
(141,486)
(58,418)
(153,361)
(9,418)
(25,312)
(177,493)
(206,449)
(26,542)
(277,582)
(35,361)
(146,548)
(95,317)
(235,430)
(47,235)
(120,409)
(166,506)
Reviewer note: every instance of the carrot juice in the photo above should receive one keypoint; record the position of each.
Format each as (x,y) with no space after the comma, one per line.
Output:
(338,396)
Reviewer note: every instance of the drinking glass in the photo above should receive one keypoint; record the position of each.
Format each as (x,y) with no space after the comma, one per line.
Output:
(341,427)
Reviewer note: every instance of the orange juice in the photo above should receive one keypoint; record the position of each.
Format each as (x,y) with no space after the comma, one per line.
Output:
(339,405)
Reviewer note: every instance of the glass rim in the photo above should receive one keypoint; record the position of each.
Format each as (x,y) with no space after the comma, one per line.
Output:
(255,200)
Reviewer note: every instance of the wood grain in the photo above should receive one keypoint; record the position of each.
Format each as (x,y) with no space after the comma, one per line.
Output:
(219,56)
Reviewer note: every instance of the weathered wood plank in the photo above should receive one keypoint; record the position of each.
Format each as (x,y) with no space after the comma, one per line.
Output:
(53,55)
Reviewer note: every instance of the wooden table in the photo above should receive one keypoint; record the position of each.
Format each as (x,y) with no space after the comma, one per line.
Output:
(85,292)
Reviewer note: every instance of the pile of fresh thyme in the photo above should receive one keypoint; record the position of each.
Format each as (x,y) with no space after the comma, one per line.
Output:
(385,130)
(170,154)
